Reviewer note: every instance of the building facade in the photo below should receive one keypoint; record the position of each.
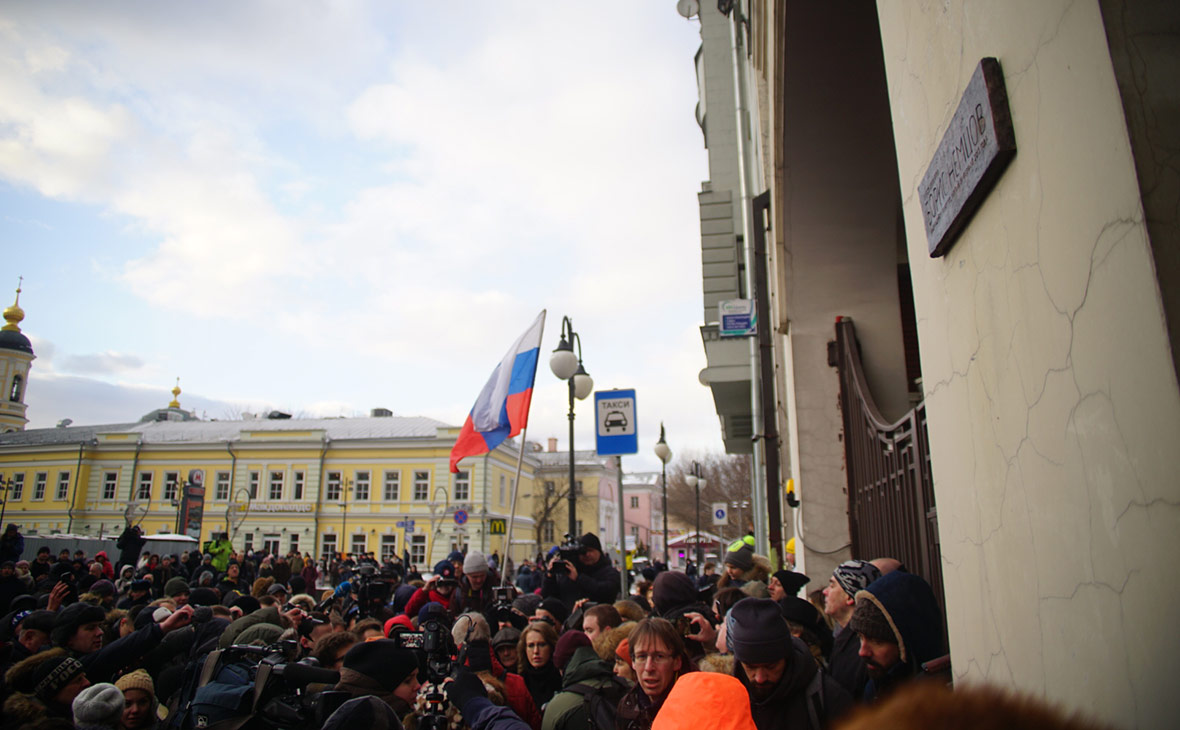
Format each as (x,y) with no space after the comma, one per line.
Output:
(1033,356)
(596,482)
(643,512)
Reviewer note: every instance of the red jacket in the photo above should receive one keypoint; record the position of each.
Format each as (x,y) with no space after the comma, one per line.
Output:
(421,598)
(518,695)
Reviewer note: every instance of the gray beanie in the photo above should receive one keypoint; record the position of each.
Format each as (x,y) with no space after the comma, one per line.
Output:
(98,706)
(475,562)
(759,633)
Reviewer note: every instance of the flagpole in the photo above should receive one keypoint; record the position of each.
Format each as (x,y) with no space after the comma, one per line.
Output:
(519,462)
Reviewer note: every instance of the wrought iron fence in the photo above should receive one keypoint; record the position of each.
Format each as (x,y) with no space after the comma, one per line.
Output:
(891,510)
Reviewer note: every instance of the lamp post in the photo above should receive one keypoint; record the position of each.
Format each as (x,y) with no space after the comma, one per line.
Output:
(664,454)
(740,506)
(568,367)
(696,481)
(345,486)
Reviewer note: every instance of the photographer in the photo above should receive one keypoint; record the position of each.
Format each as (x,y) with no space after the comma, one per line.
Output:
(591,575)
(383,670)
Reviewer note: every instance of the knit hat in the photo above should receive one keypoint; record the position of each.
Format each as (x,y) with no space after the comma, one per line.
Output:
(99,705)
(741,556)
(527,604)
(673,590)
(792,581)
(456,556)
(53,674)
(475,562)
(569,642)
(103,588)
(277,588)
(382,661)
(869,620)
(791,546)
(367,712)
(720,698)
(444,571)
(248,604)
(401,620)
(759,633)
(591,541)
(203,597)
(556,608)
(141,584)
(139,679)
(434,610)
(623,650)
(507,636)
(73,616)
(175,587)
(855,575)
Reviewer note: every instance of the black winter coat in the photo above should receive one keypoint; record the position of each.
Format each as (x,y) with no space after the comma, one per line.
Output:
(787,706)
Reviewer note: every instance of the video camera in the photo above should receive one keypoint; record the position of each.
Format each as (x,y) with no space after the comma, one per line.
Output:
(283,697)
(373,589)
(502,597)
(434,640)
(568,552)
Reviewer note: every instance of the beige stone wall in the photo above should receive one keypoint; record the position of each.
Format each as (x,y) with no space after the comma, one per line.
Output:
(1053,404)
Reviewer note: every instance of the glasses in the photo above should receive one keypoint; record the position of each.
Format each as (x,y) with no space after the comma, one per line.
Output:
(655,658)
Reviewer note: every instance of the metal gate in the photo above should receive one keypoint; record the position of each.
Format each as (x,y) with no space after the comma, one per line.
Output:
(891,510)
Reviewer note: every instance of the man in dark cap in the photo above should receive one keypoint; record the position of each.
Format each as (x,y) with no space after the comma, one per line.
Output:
(28,632)
(844,664)
(787,688)
(381,669)
(78,629)
(591,576)
(900,628)
(138,594)
(177,589)
(45,686)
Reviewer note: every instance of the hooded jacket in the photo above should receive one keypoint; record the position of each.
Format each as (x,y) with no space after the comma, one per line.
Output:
(760,572)
(916,622)
(567,710)
(598,582)
(792,703)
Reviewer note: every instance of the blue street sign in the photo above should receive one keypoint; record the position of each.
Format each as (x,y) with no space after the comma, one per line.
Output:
(614,412)
(460,517)
(406,524)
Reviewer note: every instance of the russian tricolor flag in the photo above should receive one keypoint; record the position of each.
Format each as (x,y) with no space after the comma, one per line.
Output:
(502,408)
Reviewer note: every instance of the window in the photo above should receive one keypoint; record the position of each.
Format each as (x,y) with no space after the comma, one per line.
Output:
(388,547)
(333,488)
(578,487)
(299,479)
(39,480)
(171,479)
(635,503)
(358,544)
(362,486)
(635,532)
(18,486)
(255,477)
(145,486)
(110,482)
(275,487)
(459,544)
(547,531)
(503,481)
(421,486)
(248,542)
(294,543)
(550,487)
(63,486)
(221,486)
(270,544)
(393,481)
(462,486)
(418,549)
(327,547)
(15,392)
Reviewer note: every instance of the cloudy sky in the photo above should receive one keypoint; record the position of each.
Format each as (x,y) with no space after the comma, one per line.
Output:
(325,207)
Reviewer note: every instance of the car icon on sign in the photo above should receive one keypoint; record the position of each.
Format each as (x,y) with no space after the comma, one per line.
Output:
(615,419)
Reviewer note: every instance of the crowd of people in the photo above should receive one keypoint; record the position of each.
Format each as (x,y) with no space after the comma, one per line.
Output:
(219,639)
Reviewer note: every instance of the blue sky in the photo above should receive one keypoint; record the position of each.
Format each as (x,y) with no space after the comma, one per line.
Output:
(325,207)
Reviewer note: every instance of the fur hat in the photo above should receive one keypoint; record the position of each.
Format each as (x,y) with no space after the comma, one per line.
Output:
(98,706)
(475,562)
(73,616)
(759,632)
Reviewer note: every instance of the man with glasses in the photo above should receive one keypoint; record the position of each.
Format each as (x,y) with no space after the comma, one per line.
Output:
(658,658)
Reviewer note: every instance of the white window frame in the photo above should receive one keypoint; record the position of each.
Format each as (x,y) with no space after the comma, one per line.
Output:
(634,502)
(418,550)
(271,483)
(40,483)
(299,480)
(421,485)
(361,481)
(110,485)
(548,530)
(462,481)
(18,486)
(358,546)
(328,545)
(392,486)
(388,547)
(142,494)
(293,543)
(255,480)
(63,486)
(333,486)
(221,486)
(272,543)
(171,485)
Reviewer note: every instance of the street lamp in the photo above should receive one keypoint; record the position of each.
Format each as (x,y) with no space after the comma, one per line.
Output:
(740,506)
(568,367)
(664,454)
(695,480)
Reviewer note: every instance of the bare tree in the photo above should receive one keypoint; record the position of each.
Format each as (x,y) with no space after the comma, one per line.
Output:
(727,479)
(550,501)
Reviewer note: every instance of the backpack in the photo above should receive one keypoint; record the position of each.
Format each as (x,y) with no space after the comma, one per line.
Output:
(601,703)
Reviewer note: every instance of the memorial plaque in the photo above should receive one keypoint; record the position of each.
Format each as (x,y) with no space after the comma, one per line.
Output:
(977,146)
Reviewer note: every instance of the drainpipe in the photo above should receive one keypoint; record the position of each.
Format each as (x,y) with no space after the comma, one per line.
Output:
(319,494)
(74,494)
(233,467)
